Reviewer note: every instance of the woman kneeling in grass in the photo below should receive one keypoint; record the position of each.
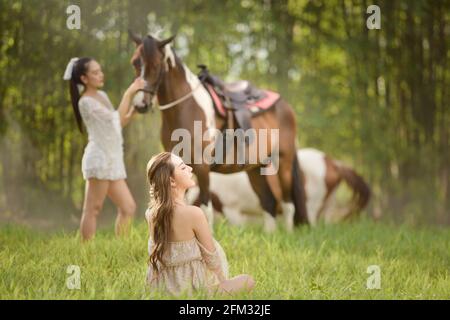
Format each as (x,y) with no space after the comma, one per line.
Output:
(184,257)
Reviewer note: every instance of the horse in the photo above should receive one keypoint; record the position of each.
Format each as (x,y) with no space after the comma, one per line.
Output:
(185,103)
(323,176)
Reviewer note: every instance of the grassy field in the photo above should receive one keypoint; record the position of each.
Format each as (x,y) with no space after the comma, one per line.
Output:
(327,262)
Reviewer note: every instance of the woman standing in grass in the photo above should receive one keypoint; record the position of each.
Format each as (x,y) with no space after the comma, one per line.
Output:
(102,165)
(184,257)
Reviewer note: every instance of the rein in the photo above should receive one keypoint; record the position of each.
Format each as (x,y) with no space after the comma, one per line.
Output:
(185,97)
(170,105)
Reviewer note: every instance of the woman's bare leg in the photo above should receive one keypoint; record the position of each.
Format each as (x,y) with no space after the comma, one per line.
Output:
(242,282)
(121,196)
(93,202)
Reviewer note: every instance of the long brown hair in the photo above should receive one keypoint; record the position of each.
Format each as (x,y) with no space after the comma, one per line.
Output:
(159,170)
(80,68)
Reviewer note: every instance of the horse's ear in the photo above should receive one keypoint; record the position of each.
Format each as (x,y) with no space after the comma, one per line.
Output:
(135,37)
(163,43)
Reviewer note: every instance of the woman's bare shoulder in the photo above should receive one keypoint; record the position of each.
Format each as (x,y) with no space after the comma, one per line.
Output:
(193,211)
(188,214)
(196,216)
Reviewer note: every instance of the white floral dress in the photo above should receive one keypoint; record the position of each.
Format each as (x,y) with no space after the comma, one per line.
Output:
(103,155)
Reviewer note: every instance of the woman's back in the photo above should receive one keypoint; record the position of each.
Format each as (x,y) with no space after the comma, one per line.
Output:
(182,224)
(189,265)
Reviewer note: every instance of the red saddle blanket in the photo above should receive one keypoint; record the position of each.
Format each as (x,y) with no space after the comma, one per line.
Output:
(255,107)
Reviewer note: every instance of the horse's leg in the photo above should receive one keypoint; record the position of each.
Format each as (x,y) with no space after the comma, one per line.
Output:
(316,191)
(285,178)
(234,216)
(266,197)
(202,173)
(293,190)
(290,176)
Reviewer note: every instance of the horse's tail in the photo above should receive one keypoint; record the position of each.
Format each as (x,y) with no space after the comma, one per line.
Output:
(361,190)
(298,193)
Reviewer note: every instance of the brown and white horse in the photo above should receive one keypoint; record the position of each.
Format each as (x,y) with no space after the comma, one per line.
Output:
(183,101)
(233,196)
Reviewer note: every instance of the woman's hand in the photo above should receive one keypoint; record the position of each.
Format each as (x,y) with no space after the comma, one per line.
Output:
(126,110)
(137,85)
(130,112)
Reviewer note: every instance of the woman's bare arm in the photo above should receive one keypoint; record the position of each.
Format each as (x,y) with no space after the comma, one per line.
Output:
(203,234)
(126,110)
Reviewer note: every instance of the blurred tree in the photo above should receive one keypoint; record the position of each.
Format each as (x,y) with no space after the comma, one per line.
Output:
(376,98)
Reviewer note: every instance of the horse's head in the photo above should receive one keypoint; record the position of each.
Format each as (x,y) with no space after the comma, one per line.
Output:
(151,59)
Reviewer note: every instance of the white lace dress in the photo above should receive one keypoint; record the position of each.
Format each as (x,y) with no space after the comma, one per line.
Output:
(103,155)
(189,267)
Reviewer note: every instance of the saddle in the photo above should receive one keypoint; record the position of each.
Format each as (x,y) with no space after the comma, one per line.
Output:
(239,100)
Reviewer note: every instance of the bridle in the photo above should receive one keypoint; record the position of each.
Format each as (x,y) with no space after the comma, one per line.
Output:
(152,91)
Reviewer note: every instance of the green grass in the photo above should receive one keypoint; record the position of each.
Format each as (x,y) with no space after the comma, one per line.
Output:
(327,262)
